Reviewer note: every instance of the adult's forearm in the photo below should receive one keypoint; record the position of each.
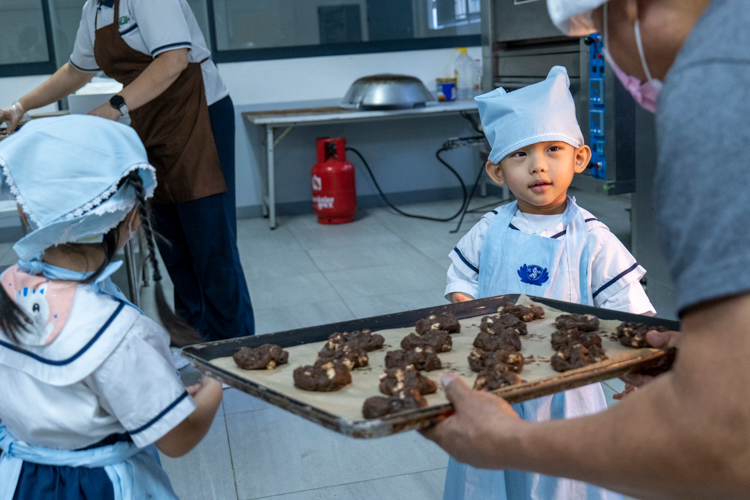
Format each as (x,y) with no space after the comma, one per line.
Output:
(685,435)
(155,79)
(62,83)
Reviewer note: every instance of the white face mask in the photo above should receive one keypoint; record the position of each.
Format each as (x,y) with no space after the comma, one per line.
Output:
(645,94)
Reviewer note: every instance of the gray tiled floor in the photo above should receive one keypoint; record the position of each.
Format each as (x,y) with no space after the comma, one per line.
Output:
(303,274)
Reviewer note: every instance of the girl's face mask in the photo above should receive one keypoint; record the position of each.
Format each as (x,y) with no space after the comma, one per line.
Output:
(644,93)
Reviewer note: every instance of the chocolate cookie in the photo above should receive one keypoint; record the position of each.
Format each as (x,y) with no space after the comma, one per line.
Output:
(577,356)
(568,338)
(399,379)
(496,324)
(352,357)
(439,340)
(583,322)
(506,340)
(521,312)
(445,321)
(422,358)
(480,359)
(378,406)
(265,357)
(634,334)
(326,377)
(363,339)
(495,377)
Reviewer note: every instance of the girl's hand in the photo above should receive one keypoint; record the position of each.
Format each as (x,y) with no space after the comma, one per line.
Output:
(194,389)
(205,384)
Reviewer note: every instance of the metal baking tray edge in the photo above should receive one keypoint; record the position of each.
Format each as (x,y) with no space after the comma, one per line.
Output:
(202,354)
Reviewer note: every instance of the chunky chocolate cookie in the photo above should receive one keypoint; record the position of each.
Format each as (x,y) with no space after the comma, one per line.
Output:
(325,377)
(352,357)
(422,358)
(378,406)
(445,321)
(521,312)
(399,379)
(496,324)
(505,340)
(439,340)
(363,339)
(568,338)
(634,334)
(583,322)
(480,359)
(577,356)
(265,357)
(495,377)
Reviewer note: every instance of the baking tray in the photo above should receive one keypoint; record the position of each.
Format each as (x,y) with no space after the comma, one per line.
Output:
(203,355)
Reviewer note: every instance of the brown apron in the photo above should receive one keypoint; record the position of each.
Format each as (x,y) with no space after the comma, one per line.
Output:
(175,127)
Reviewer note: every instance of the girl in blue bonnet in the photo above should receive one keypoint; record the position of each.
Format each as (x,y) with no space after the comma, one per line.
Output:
(88,385)
(542,244)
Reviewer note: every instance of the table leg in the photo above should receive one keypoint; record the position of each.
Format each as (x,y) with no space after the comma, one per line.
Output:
(271,177)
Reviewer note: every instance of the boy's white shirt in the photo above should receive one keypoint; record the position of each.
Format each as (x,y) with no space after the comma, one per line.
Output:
(609,259)
(135,389)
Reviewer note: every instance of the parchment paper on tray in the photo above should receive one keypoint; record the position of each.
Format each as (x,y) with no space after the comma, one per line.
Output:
(347,403)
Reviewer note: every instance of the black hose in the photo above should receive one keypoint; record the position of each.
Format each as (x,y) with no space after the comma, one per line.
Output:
(414,216)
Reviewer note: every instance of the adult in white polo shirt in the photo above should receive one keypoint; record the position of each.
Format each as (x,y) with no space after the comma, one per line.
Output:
(183,113)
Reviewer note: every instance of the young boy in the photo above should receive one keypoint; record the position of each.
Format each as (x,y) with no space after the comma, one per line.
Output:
(543,244)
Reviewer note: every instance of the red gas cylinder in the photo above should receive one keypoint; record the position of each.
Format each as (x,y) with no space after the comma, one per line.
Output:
(334,190)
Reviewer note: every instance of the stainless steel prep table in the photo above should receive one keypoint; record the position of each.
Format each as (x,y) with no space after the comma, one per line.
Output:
(289,118)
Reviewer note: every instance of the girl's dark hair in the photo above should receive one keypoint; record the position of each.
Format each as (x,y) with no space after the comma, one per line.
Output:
(13,319)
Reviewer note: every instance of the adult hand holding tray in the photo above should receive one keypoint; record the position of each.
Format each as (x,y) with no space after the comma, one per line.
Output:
(341,411)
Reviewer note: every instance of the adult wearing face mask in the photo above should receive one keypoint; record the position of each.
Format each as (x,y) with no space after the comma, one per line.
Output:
(686,434)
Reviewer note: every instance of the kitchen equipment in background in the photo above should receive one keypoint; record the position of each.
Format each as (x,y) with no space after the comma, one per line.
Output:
(333,186)
(387,91)
(446,89)
(520,45)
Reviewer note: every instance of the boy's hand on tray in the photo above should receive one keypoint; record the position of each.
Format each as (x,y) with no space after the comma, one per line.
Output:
(467,434)
(660,340)
(460,297)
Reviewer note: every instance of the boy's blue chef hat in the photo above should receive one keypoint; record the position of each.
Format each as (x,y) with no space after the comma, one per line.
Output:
(541,112)
(65,172)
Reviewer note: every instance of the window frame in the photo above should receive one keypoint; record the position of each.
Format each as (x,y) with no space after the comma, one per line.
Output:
(35,68)
(260,54)
(333,49)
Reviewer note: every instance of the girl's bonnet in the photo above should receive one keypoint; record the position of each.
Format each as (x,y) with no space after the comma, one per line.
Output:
(71,178)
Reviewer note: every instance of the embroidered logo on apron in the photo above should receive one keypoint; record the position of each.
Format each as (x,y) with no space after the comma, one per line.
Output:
(533,275)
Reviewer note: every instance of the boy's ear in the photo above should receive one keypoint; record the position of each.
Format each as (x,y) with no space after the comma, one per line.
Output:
(495,171)
(583,157)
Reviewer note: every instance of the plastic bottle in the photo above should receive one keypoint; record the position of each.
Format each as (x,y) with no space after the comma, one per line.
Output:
(465,75)
(479,70)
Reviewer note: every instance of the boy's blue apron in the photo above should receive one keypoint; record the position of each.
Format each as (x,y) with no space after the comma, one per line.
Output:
(129,472)
(517,262)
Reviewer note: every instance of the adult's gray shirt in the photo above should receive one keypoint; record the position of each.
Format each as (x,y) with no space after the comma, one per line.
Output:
(702,184)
